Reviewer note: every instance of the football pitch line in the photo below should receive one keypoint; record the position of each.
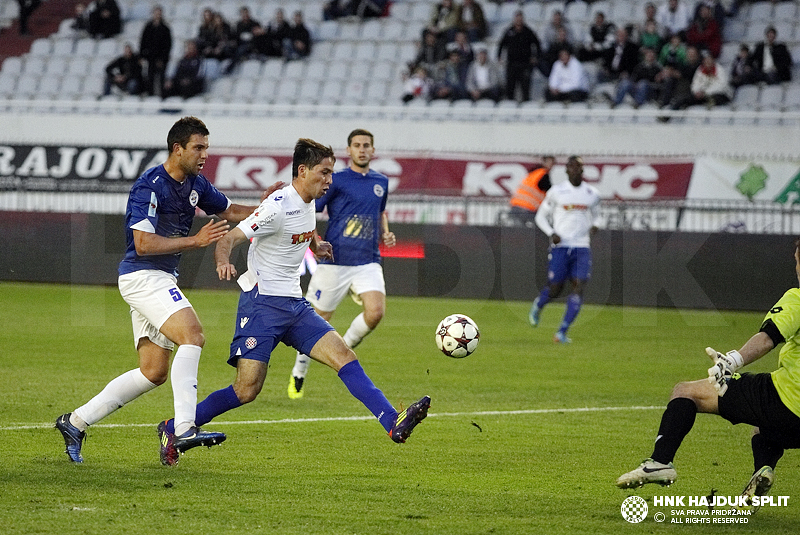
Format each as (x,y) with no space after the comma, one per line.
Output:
(361,418)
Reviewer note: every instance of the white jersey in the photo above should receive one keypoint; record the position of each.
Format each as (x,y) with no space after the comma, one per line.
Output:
(282,228)
(569,212)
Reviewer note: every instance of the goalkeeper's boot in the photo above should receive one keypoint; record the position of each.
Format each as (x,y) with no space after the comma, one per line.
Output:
(561,338)
(73,437)
(759,485)
(408,419)
(533,315)
(649,471)
(295,389)
(168,454)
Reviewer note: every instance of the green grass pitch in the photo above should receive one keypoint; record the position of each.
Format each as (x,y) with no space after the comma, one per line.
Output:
(523,436)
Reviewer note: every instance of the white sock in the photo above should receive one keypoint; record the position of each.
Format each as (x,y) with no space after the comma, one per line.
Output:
(125,388)
(300,369)
(357,331)
(184,386)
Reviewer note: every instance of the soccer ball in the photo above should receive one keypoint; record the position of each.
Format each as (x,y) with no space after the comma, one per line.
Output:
(457,336)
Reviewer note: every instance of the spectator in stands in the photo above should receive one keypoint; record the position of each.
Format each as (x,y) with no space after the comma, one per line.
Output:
(461,44)
(431,52)
(472,20)
(483,76)
(124,73)
(643,83)
(568,80)
(80,23)
(620,60)
(155,47)
(104,19)
(279,32)
(365,9)
(550,55)
(771,60)
(673,53)
(650,15)
(677,78)
(443,21)
(673,17)
(709,87)
(26,9)
(649,36)
(418,85)
(557,29)
(449,80)
(522,54)
(742,69)
(717,11)
(214,38)
(250,38)
(189,78)
(600,39)
(299,44)
(336,9)
(704,33)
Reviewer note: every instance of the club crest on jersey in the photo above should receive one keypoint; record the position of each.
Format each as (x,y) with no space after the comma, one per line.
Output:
(250,343)
(377,189)
(302,238)
(193,198)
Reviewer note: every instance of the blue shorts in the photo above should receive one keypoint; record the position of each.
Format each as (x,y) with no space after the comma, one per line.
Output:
(569,263)
(264,320)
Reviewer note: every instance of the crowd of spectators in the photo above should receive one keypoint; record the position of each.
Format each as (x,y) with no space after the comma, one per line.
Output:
(670,58)
(147,72)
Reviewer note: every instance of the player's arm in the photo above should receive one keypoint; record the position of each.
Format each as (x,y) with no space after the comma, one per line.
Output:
(389,239)
(543,215)
(150,243)
(237,212)
(321,248)
(222,253)
(756,347)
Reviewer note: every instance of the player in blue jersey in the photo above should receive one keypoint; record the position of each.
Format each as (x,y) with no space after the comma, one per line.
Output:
(569,216)
(358,223)
(158,218)
(272,308)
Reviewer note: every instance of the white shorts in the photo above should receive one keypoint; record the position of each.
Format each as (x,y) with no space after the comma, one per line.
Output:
(153,296)
(330,284)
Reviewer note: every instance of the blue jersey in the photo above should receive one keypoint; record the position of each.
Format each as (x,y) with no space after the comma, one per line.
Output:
(355,203)
(160,204)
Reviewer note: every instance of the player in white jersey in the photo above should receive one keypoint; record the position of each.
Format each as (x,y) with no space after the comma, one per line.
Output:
(356,203)
(272,308)
(569,216)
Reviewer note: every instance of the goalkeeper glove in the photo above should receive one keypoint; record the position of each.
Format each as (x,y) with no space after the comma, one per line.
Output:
(723,369)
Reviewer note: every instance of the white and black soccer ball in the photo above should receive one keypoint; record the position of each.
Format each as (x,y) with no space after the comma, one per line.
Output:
(457,336)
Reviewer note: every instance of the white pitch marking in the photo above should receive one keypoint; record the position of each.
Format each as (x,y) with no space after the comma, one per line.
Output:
(363,418)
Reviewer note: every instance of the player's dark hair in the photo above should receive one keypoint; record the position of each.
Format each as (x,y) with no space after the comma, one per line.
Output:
(360,132)
(309,153)
(183,130)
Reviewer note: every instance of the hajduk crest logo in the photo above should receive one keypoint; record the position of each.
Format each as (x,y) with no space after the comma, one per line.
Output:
(634,509)
(193,198)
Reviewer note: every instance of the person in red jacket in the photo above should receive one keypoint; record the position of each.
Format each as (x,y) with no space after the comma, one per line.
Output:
(704,32)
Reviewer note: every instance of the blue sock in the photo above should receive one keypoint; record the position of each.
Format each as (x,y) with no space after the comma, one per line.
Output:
(544,297)
(363,389)
(573,307)
(215,404)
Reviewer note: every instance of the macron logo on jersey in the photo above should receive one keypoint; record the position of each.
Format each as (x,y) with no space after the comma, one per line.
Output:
(302,238)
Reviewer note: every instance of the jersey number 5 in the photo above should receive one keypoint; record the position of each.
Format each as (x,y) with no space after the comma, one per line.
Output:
(176,294)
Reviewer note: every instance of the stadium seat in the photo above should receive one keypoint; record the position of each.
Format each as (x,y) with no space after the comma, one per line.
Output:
(331,92)
(222,89)
(317,70)
(372,30)
(272,69)
(377,92)
(109,48)
(361,70)
(63,48)
(786,30)
(265,91)
(243,90)
(400,10)
(421,12)
(327,30)
(349,31)
(41,48)
(287,91)
(187,10)
(786,11)
(8,82)
(339,71)
(140,10)
(394,30)
(384,71)
(577,12)
(791,100)
(48,87)
(746,98)
(295,70)
(27,85)
(771,97)
(734,30)
(71,87)
(365,51)
(603,6)
(760,12)
(12,65)
(623,11)
(86,48)
(323,50)
(506,13)
(34,65)
(755,31)
(353,93)
(55,66)
(532,11)
(388,52)
(309,93)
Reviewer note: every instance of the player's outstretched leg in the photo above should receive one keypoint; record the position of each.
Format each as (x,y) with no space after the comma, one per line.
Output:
(538,304)
(759,485)
(574,303)
(649,471)
(73,437)
(408,419)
